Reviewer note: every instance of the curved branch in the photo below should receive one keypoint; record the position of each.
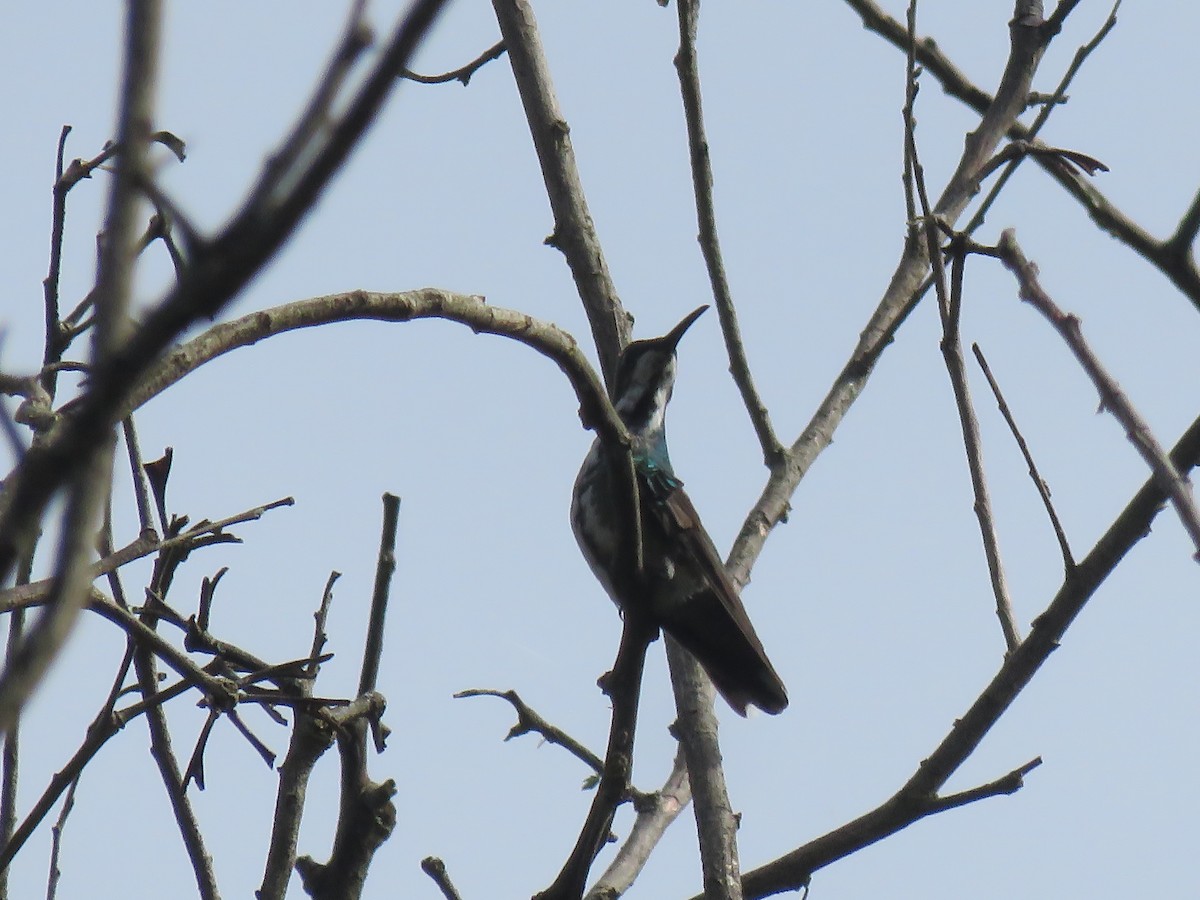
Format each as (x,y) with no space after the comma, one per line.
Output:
(462,73)
(426,303)
(222,267)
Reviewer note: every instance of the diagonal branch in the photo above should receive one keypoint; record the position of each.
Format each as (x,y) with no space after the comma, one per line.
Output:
(223,266)
(574,231)
(623,685)
(918,797)
(1028,42)
(1039,482)
(710,245)
(1174,483)
(655,813)
(1179,267)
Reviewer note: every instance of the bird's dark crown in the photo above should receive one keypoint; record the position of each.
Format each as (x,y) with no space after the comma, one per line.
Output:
(646,375)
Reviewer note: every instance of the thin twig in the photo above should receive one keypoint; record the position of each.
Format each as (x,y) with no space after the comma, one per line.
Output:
(36,592)
(1039,482)
(973,443)
(54,347)
(462,74)
(529,721)
(319,618)
(1005,784)
(141,486)
(1043,116)
(384,569)
(687,66)
(56,834)
(950,307)
(1174,484)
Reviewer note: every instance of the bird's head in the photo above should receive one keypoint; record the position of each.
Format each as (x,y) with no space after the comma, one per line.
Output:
(646,376)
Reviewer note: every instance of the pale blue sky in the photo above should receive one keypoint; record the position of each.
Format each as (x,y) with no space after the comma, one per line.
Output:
(873,600)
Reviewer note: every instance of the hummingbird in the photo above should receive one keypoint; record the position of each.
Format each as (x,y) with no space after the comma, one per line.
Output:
(683,587)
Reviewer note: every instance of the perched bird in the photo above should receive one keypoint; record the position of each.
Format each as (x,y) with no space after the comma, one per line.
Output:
(684,587)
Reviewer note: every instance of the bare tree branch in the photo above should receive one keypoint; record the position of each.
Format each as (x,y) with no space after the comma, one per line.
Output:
(1179,267)
(225,265)
(1043,116)
(702,187)
(623,685)
(1039,482)
(1028,43)
(89,476)
(462,74)
(918,797)
(655,813)
(528,720)
(950,309)
(696,729)
(436,869)
(1175,484)
(574,231)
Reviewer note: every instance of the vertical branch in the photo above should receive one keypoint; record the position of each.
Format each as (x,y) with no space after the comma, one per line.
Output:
(10,773)
(141,485)
(312,734)
(574,231)
(950,307)
(366,814)
(386,567)
(163,753)
(696,729)
(52,351)
(56,834)
(90,482)
(956,366)
(687,66)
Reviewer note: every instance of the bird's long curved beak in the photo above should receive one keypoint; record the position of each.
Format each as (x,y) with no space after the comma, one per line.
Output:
(671,338)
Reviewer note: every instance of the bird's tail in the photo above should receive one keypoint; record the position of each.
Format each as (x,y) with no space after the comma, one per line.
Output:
(724,643)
